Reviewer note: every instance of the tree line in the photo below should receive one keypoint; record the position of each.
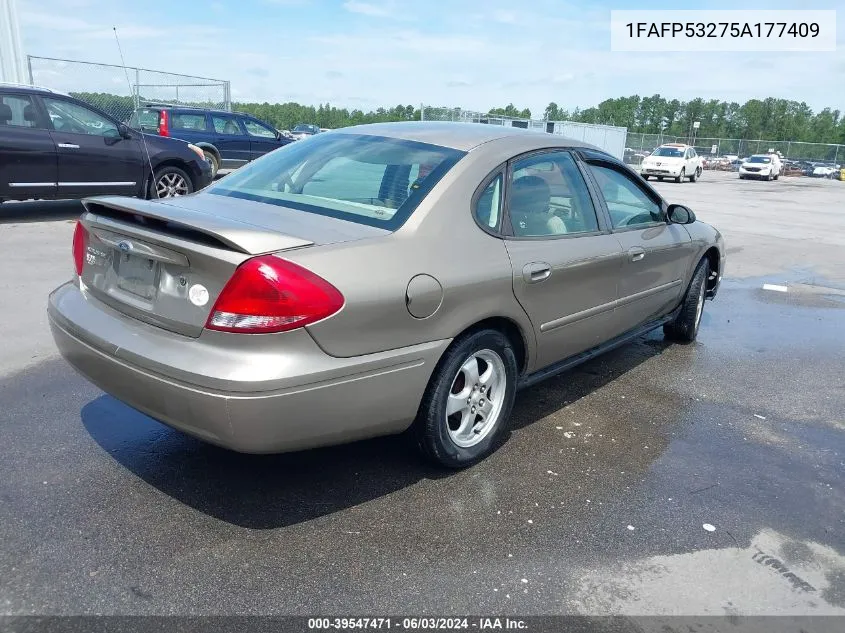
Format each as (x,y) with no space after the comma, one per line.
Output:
(770,119)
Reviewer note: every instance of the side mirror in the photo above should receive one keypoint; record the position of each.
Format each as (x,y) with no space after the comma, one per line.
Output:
(123,130)
(679,214)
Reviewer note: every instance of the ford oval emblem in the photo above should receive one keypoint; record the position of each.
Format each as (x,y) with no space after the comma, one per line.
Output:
(124,246)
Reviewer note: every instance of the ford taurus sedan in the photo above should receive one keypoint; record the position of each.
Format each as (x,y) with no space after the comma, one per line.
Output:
(378,279)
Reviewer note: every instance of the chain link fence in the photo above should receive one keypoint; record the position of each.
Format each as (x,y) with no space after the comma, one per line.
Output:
(641,145)
(608,137)
(118,91)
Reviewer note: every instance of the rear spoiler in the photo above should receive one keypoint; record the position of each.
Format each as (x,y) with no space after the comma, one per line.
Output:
(166,216)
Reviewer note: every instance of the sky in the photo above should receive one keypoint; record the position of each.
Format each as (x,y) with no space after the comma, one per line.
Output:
(476,54)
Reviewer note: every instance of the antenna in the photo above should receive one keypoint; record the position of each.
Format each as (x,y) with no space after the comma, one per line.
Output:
(143,136)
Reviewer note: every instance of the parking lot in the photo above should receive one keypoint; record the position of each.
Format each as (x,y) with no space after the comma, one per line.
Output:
(701,479)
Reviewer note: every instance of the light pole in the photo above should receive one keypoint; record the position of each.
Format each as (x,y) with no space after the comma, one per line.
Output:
(12,59)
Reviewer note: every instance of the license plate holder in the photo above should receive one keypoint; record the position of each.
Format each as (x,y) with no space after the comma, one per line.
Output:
(137,275)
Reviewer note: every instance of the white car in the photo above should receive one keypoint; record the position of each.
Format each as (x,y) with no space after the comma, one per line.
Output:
(673,160)
(764,166)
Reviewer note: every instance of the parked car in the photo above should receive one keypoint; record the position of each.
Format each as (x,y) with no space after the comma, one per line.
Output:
(764,166)
(375,279)
(304,130)
(228,139)
(54,146)
(672,160)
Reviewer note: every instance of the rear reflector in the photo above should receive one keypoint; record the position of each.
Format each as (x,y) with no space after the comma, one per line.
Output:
(268,294)
(80,246)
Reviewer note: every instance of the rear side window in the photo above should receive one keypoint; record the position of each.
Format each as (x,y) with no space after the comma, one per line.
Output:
(364,179)
(145,120)
(225,125)
(18,111)
(489,205)
(184,121)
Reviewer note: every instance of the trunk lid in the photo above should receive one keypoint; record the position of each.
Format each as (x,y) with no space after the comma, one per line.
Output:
(165,262)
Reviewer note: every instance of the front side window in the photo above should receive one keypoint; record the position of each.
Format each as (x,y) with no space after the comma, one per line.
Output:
(254,128)
(629,206)
(548,196)
(184,121)
(18,111)
(364,179)
(225,125)
(76,119)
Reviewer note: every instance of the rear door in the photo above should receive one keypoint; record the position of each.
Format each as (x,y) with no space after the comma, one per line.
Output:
(93,158)
(28,166)
(230,140)
(262,138)
(565,261)
(656,253)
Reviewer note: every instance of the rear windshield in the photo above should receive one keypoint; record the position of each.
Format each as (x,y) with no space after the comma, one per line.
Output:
(668,151)
(368,180)
(759,159)
(145,120)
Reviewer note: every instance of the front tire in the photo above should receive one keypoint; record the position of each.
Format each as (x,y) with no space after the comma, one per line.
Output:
(465,410)
(212,160)
(680,177)
(170,182)
(685,327)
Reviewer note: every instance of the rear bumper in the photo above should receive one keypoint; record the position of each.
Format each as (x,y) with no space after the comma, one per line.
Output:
(253,394)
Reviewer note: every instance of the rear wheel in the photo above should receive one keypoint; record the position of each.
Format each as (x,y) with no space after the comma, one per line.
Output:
(466,407)
(680,177)
(170,182)
(695,175)
(685,326)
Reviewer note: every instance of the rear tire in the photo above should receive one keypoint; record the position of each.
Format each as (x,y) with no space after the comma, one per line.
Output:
(680,177)
(695,175)
(476,380)
(684,328)
(169,182)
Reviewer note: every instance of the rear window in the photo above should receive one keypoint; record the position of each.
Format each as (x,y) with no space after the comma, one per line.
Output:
(145,120)
(369,180)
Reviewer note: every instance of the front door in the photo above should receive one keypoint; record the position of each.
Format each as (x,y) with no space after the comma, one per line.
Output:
(565,261)
(231,141)
(93,158)
(656,253)
(27,151)
(262,138)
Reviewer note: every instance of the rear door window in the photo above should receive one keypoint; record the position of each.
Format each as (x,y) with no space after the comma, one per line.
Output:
(226,125)
(18,111)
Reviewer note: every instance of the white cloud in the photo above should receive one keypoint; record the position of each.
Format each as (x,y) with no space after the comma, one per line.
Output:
(367,8)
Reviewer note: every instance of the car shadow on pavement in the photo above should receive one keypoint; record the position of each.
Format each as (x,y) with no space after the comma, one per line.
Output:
(39,211)
(272,491)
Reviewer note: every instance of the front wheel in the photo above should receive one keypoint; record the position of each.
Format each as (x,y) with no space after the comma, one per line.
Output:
(680,177)
(685,326)
(169,182)
(466,407)
(211,159)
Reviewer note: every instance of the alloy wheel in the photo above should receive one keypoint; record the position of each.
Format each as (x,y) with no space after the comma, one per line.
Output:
(475,398)
(171,185)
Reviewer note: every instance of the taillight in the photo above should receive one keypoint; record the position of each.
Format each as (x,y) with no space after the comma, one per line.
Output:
(163,126)
(80,246)
(268,294)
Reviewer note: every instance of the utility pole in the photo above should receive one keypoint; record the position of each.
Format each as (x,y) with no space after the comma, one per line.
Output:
(12,59)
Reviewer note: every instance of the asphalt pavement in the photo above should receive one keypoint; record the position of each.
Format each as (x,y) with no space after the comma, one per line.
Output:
(699,479)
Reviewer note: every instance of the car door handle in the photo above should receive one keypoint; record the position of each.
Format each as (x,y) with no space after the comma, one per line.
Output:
(536,271)
(67,145)
(636,254)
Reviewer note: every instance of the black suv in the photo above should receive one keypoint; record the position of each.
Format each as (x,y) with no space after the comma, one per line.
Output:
(55,146)
(229,139)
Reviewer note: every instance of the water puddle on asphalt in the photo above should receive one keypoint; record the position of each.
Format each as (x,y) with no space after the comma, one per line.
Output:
(774,575)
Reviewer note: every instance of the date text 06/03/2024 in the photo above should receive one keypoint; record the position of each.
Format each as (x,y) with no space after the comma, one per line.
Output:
(417,623)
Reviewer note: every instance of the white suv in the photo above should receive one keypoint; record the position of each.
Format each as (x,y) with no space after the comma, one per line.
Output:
(765,166)
(672,160)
